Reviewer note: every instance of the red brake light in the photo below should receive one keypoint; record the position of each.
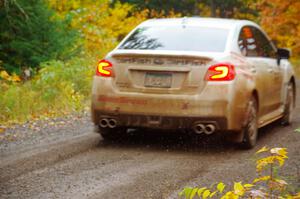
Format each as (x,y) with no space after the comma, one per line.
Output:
(104,68)
(220,72)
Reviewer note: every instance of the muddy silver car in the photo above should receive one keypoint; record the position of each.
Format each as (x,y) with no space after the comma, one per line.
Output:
(200,74)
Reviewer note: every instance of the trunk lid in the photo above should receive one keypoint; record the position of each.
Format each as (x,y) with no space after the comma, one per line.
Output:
(173,72)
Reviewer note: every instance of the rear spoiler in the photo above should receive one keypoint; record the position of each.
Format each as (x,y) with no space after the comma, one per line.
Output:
(159,55)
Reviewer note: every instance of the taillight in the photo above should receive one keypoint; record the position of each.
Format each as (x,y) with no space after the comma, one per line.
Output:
(104,68)
(220,72)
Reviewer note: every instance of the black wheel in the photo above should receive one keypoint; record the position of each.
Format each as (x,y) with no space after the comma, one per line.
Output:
(250,130)
(288,106)
(111,134)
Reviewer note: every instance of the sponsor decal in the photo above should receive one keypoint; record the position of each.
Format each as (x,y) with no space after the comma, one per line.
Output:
(121,100)
(160,61)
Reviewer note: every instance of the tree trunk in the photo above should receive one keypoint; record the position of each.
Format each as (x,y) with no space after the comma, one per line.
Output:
(196,8)
(213,8)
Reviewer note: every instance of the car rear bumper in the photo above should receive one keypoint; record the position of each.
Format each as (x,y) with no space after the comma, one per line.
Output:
(215,104)
(161,122)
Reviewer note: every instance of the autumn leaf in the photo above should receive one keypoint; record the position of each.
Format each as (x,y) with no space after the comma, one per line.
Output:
(2,130)
(281,182)
(200,191)
(186,192)
(4,75)
(193,193)
(206,193)
(221,186)
(280,161)
(257,194)
(248,185)
(264,149)
(263,162)
(15,78)
(230,195)
(264,178)
(212,194)
(239,189)
(279,151)
(297,196)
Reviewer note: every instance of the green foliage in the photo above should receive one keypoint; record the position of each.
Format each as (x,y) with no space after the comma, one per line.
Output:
(218,8)
(186,7)
(30,33)
(232,8)
(268,184)
(101,25)
(58,88)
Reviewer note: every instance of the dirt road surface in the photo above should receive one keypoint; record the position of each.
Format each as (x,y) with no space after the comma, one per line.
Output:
(70,161)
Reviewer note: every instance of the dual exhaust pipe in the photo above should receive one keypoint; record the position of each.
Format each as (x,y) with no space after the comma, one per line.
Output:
(110,123)
(200,128)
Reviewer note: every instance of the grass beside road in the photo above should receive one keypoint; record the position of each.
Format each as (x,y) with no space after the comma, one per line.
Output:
(59,88)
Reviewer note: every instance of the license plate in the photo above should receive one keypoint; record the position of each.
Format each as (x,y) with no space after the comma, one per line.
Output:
(159,80)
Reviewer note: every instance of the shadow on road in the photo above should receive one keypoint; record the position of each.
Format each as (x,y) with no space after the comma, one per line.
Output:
(178,141)
(274,129)
(181,141)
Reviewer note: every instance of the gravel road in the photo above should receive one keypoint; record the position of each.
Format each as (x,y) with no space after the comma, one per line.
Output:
(65,159)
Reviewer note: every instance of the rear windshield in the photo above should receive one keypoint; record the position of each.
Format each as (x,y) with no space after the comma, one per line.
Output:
(181,38)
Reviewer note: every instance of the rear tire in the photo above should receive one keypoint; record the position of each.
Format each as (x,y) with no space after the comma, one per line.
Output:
(250,130)
(288,107)
(111,134)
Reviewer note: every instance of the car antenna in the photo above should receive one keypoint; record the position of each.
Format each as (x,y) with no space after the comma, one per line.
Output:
(184,21)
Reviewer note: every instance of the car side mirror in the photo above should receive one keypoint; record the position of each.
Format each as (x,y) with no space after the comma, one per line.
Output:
(283,53)
(275,42)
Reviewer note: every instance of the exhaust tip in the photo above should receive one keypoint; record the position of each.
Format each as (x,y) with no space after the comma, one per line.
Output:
(209,129)
(103,123)
(199,128)
(112,123)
